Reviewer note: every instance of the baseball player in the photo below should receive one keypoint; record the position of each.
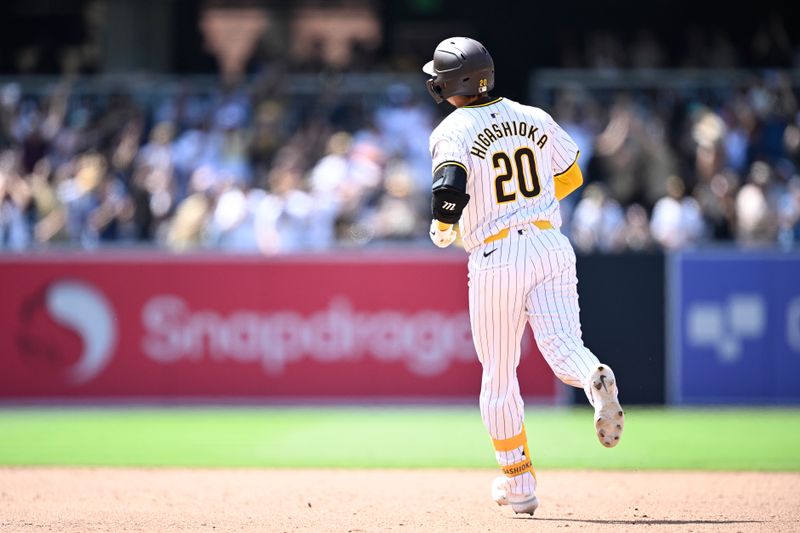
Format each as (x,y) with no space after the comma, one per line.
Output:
(499,171)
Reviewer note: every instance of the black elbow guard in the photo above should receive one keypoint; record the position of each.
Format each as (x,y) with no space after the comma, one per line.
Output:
(449,192)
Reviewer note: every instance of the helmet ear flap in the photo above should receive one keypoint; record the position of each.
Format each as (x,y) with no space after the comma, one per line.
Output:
(435,91)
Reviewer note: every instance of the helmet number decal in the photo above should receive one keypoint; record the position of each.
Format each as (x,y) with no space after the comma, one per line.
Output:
(483,85)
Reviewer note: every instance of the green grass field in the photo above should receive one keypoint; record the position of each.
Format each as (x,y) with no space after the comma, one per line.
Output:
(727,439)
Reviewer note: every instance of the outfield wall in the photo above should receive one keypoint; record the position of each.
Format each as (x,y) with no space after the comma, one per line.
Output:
(622,316)
(718,328)
(734,327)
(144,326)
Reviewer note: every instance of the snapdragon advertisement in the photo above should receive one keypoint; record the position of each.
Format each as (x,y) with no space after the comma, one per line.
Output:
(149,326)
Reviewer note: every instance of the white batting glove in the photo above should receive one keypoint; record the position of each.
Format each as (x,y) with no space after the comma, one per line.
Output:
(442,237)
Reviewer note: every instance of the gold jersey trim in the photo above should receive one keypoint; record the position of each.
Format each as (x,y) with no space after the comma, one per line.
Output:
(445,163)
(569,167)
(485,103)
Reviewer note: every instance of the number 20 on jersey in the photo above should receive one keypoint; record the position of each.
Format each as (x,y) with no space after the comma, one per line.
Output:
(523,168)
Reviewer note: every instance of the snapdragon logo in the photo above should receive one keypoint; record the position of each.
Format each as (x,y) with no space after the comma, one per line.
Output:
(63,310)
(426,342)
(724,326)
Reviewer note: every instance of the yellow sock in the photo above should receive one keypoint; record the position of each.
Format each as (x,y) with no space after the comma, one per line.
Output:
(507,445)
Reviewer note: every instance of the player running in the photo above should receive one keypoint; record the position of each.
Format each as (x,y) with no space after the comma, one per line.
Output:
(499,170)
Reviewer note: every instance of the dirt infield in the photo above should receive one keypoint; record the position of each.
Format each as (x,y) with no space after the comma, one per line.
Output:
(350,501)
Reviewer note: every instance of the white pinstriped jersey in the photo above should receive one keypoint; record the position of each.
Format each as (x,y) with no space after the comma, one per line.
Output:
(511,153)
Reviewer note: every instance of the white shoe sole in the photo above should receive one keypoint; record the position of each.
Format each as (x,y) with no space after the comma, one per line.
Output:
(609,418)
(526,507)
(500,496)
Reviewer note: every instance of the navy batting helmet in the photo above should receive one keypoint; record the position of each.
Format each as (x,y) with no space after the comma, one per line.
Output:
(460,66)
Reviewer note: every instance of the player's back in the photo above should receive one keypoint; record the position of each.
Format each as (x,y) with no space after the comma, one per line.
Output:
(511,152)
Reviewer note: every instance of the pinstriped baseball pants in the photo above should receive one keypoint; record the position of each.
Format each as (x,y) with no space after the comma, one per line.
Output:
(528,277)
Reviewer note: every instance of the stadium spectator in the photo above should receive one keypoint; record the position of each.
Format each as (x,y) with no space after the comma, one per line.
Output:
(186,230)
(756,208)
(15,194)
(789,214)
(598,223)
(677,221)
(637,228)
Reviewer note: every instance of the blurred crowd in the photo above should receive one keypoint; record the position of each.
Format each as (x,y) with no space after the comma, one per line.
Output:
(672,168)
(238,169)
(258,169)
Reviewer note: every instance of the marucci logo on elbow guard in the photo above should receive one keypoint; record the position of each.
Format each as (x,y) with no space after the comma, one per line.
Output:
(427,342)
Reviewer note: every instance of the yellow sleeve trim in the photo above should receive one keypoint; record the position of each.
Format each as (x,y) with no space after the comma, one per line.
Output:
(568,181)
(445,163)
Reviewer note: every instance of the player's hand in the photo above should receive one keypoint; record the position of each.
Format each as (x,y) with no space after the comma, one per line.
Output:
(442,234)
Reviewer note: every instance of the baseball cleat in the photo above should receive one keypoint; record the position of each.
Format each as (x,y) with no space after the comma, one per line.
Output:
(609,418)
(521,504)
